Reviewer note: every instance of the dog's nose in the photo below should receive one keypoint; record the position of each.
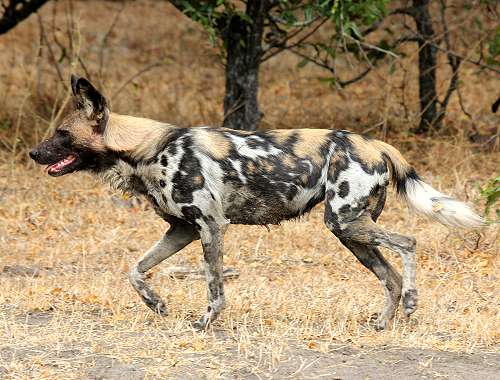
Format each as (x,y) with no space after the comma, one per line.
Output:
(34,154)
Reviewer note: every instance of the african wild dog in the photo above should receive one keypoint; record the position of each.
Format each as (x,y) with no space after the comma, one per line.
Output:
(200,180)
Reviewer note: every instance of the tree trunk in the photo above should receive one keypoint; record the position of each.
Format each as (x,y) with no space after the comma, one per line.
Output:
(15,11)
(427,67)
(243,42)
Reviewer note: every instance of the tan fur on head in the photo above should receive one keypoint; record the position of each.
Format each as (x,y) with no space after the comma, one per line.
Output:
(81,129)
(137,136)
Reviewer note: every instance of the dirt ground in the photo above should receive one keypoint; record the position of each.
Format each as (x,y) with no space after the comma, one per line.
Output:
(296,361)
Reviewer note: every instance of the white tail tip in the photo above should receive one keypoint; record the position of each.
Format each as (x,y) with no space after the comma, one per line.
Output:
(448,211)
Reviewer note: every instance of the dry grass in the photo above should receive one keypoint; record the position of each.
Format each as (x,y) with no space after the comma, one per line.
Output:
(297,283)
(66,244)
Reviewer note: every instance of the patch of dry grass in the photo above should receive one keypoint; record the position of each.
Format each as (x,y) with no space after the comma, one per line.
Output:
(66,244)
(297,283)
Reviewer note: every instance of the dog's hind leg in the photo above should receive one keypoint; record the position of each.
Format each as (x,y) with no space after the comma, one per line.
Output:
(371,257)
(363,230)
(352,219)
(177,237)
(373,260)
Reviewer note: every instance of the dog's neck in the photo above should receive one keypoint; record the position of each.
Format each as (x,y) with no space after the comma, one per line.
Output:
(120,176)
(136,137)
(134,141)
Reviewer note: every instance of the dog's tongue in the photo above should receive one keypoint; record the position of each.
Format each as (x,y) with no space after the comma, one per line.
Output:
(58,166)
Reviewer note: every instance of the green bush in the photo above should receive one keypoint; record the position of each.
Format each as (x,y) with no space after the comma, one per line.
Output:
(491,193)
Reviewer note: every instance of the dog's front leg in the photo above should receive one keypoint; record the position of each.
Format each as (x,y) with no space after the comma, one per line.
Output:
(177,237)
(212,240)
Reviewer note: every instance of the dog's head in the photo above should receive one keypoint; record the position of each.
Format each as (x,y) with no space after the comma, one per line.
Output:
(78,142)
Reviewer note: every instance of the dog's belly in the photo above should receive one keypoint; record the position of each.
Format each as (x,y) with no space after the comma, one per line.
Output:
(242,206)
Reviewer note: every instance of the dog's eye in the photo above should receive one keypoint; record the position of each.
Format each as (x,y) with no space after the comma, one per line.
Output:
(63,136)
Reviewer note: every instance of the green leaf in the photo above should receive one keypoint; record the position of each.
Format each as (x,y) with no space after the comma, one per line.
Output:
(491,193)
(494,46)
(308,14)
(355,30)
(328,80)
(478,23)
(302,63)
(392,68)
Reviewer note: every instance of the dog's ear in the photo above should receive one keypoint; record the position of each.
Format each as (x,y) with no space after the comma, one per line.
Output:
(88,99)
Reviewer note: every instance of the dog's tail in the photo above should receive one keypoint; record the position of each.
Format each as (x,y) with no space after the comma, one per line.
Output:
(422,197)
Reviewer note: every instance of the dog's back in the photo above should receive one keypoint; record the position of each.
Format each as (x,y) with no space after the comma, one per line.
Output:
(261,177)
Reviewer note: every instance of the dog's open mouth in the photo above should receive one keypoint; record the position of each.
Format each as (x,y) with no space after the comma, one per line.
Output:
(61,166)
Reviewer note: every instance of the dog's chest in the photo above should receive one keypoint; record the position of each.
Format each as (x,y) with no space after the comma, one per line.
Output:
(151,180)
(155,182)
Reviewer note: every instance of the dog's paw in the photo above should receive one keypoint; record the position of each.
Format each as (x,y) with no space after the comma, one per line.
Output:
(157,306)
(379,322)
(410,298)
(161,309)
(201,324)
